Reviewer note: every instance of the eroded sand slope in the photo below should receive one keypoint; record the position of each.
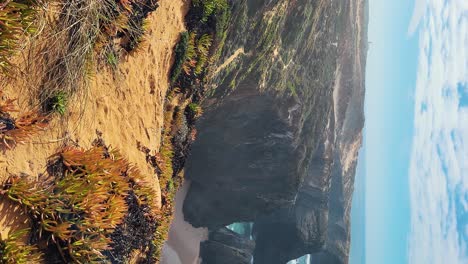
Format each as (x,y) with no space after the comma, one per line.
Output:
(126,107)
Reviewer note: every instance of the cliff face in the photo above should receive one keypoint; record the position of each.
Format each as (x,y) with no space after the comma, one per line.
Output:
(279,140)
(265,121)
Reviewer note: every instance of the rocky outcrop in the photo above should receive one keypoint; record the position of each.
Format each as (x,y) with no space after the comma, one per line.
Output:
(292,232)
(266,119)
(225,246)
(255,144)
(279,141)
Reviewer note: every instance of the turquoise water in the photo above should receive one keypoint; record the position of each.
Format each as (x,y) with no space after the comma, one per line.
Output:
(245,229)
(304,260)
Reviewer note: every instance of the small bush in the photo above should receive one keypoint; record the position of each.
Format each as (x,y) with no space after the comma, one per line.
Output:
(20,130)
(112,58)
(191,54)
(221,21)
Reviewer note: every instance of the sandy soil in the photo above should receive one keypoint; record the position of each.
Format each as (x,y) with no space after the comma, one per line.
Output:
(127,107)
(234,56)
(183,245)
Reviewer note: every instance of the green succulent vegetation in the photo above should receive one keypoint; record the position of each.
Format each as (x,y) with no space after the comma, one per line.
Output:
(203,48)
(17,19)
(58,103)
(169,179)
(203,43)
(112,56)
(292,88)
(221,21)
(210,7)
(14,251)
(192,55)
(195,110)
(79,209)
(180,56)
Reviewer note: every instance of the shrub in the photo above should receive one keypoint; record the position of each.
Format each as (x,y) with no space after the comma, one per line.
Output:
(22,128)
(7,106)
(191,55)
(221,21)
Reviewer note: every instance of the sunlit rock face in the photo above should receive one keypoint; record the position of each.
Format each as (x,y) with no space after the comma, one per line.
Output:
(279,140)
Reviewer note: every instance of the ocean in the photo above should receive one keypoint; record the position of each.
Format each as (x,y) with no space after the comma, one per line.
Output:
(245,229)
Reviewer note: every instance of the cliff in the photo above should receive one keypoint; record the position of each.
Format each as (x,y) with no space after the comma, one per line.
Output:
(279,140)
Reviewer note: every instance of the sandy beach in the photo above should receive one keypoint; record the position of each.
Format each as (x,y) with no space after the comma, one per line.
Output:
(183,245)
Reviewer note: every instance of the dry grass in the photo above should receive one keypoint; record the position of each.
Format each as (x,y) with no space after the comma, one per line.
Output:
(68,58)
(80,36)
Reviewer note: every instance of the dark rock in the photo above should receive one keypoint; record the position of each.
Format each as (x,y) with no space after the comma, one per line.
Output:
(7,123)
(302,228)
(253,143)
(226,246)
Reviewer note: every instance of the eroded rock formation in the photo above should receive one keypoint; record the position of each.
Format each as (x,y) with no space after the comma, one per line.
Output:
(279,141)
(226,246)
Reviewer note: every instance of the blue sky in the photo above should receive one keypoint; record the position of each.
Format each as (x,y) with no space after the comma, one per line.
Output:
(390,82)
(416,153)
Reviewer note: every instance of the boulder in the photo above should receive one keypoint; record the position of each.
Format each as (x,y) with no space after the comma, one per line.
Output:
(227,247)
